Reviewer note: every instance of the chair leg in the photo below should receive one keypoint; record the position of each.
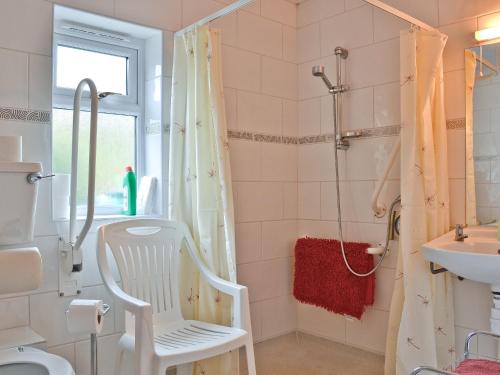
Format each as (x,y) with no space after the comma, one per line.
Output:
(250,359)
(186,369)
(118,361)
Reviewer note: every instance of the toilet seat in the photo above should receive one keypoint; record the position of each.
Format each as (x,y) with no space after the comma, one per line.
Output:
(53,364)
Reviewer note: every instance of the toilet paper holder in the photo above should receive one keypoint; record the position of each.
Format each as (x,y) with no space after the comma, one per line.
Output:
(93,339)
(93,342)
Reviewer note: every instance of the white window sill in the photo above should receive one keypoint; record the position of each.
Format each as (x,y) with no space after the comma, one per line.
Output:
(118,217)
(111,217)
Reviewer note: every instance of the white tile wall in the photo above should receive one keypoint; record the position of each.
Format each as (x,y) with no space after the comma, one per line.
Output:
(22,23)
(259,113)
(14,79)
(241,69)
(260,35)
(351,29)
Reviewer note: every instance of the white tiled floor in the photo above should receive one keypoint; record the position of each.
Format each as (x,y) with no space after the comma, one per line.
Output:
(296,354)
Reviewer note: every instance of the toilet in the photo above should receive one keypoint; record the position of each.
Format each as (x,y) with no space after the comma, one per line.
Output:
(22,353)
(21,349)
(30,361)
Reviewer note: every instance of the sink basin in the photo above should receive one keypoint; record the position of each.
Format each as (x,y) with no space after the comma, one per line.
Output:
(477,258)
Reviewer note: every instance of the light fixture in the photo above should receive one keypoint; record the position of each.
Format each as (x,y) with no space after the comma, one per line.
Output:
(488,34)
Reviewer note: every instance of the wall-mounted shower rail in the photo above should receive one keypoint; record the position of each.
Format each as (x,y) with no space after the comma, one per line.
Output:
(378,208)
(218,14)
(404,16)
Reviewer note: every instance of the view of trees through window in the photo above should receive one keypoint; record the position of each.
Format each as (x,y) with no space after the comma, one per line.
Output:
(115,150)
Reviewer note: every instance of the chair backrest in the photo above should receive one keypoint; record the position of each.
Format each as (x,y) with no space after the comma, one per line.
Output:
(146,252)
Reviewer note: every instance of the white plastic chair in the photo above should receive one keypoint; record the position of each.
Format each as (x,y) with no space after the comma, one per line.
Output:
(147,255)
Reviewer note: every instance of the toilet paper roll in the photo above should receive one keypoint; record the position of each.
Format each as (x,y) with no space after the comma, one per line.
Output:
(11,149)
(85,316)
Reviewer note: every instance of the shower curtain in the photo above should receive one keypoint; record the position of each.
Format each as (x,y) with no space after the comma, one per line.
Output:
(470,181)
(421,321)
(200,192)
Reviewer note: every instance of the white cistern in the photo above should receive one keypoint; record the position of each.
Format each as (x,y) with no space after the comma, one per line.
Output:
(20,264)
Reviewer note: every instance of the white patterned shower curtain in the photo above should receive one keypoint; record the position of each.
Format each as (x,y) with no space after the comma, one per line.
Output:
(200,192)
(421,327)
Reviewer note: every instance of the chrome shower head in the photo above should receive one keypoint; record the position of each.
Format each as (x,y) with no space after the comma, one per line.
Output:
(319,71)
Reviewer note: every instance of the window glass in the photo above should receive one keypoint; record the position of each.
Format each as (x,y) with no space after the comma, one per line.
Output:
(116,137)
(109,72)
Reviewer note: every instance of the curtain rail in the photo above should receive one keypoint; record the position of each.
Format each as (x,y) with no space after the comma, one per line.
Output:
(398,13)
(220,13)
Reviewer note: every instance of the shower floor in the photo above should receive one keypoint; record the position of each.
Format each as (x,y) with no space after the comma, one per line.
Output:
(304,354)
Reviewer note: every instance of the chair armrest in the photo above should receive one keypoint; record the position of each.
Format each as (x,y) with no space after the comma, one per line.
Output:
(238,292)
(472,335)
(131,304)
(224,286)
(241,303)
(418,370)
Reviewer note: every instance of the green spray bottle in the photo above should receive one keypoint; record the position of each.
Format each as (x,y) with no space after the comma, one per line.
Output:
(129,192)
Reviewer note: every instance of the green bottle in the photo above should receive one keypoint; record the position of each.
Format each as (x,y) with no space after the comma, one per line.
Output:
(129,192)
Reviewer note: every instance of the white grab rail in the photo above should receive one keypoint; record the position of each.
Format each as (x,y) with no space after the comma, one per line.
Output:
(379,209)
(76,241)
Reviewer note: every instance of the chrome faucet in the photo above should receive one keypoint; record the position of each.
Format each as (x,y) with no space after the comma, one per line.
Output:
(459,233)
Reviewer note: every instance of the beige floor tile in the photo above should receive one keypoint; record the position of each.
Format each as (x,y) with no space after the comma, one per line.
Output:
(303,354)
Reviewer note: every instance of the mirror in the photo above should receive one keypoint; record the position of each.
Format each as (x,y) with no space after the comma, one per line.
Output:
(482,86)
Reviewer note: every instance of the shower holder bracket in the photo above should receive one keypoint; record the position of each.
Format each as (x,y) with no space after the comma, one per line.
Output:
(343,141)
(70,267)
(343,144)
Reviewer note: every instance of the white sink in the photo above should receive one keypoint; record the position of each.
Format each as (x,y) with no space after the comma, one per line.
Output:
(477,258)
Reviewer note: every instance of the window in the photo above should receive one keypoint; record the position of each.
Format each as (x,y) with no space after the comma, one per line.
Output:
(108,71)
(113,68)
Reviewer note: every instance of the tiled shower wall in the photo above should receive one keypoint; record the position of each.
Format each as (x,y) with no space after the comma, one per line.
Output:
(260,79)
(372,73)
(372,102)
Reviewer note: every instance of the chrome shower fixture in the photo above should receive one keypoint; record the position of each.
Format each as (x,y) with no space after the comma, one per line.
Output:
(343,52)
(342,143)
(342,140)
(319,71)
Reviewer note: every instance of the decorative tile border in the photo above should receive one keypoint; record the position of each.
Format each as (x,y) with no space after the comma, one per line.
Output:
(27,115)
(235,134)
(308,139)
(44,117)
(457,123)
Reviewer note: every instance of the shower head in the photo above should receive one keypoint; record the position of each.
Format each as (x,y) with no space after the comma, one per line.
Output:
(319,71)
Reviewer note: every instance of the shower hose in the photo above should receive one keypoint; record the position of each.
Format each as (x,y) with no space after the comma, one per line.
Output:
(339,208)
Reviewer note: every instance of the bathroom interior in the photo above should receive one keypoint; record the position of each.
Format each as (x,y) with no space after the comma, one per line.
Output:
(221,187)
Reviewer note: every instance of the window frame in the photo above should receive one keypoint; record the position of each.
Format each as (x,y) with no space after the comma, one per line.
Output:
(133,104)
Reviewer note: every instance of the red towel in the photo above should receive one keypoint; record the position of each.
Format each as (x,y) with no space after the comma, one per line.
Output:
(478,367)
(322,279)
